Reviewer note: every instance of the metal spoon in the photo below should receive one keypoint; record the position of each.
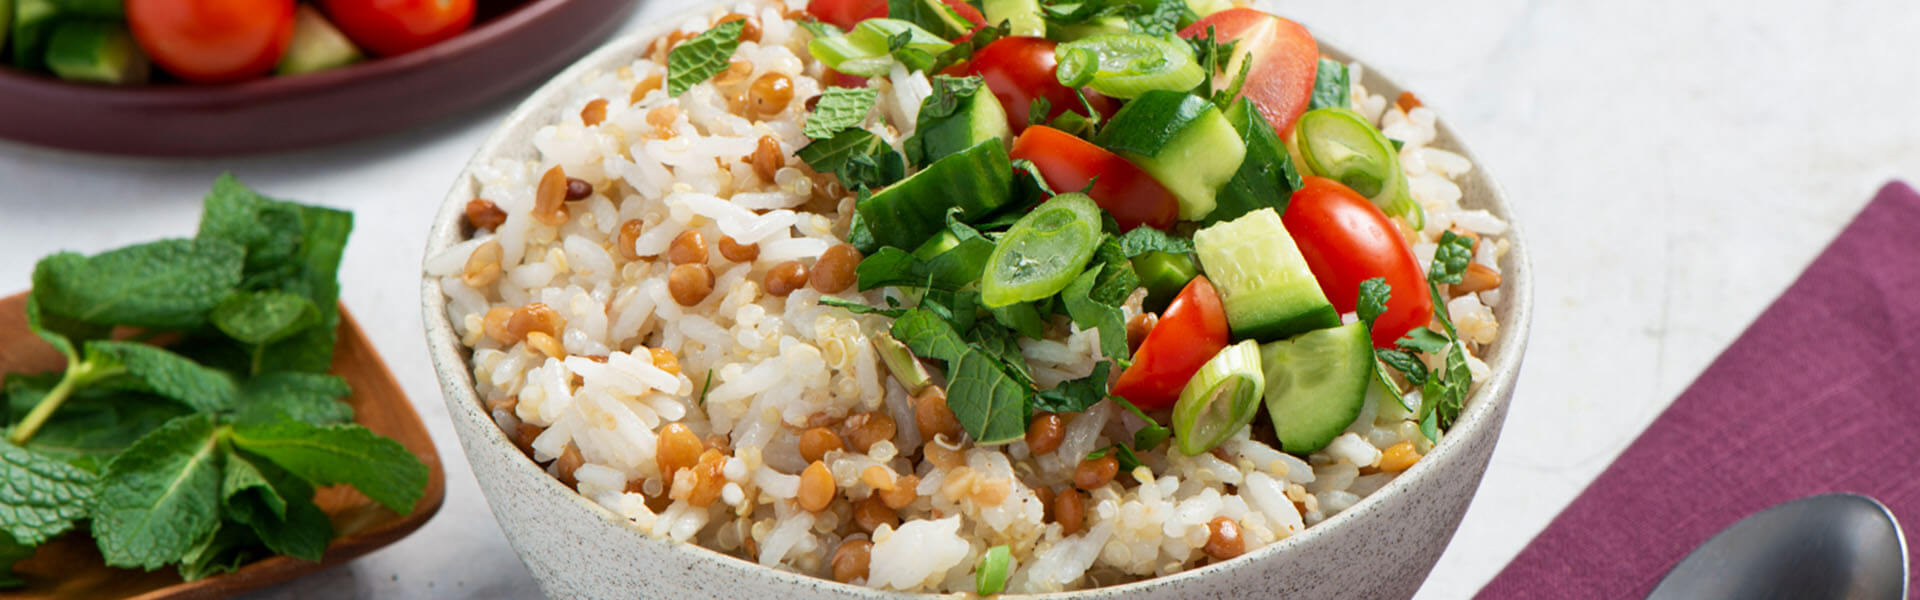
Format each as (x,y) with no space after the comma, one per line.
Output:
(1828,546)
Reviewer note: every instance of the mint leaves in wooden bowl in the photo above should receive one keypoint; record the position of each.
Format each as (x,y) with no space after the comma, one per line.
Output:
(186,408)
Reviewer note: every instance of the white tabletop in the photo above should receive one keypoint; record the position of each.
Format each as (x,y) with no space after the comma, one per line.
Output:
(1673,165)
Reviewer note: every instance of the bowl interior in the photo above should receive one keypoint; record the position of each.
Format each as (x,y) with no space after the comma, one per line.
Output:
(1481,418)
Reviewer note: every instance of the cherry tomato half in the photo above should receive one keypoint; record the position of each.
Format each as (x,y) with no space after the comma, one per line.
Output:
(846,13)
(1020,69)
(389,27)
(212,41)
(1191,331)
(1119,187)
(1347,240)
(1285,59)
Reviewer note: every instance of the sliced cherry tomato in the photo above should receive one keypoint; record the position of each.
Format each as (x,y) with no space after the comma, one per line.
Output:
(838,79)
(1020,69)
(389,27)
(845,13)
(212,41)
(1347,240)
(1191,331)
(1284,57)
(1069,163)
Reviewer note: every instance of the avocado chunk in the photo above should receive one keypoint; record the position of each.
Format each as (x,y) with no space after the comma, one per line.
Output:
(317,45)
(1267,177)
(1264,283)
(975,117)
(1182,141)
(1317,384)
(96,52)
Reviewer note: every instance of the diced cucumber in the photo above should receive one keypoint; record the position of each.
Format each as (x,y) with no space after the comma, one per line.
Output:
(96,51)
(1095,26)
(978,118)
(1317,384)
(977,180)
(1182,141)
(32,22)
(1266,177)
(937,245)
(1265,284)
(1220,399)
(1208,7)
(317,45)
(1022,16)
(1163,274)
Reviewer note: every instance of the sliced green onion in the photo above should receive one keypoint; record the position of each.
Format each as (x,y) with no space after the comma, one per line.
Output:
(1220,399)
(1340,144)
(1043,251)
(1125,65)
(1022,16)
(875,44)
(990,577)
(901,363)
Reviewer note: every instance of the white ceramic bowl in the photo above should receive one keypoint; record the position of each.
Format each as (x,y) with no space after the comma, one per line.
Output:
(1382,547)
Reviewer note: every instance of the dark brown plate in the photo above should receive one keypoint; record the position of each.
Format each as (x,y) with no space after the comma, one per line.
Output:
(70,567)
(520,44)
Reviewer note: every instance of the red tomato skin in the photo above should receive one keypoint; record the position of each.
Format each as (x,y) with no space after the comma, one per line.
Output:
(1347,240)
(1285,56)
(212,41)
(847,13)
(1019,69)
(391,27)
(1069,163)
(1190,332)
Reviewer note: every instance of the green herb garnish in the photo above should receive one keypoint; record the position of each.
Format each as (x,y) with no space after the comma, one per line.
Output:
(702,56)
(839,109)
(203,454)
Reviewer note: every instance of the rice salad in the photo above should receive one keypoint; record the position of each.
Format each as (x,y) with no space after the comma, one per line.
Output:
(671,308)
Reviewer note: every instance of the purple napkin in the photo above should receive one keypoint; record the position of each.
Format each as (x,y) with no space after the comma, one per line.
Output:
(1821,394)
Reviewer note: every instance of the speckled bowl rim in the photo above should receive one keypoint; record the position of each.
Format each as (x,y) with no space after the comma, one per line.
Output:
(1476,421)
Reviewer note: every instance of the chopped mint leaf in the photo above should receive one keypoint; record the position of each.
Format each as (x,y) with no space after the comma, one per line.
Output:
(702,56)
(839,109)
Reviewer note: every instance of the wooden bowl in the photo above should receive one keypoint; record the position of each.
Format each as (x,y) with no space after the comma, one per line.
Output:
(70,567)
(512,45)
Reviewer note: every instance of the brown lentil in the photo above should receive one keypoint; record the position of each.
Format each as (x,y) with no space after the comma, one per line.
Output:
(817,442)
(568,462)
(737,252)
(646,86)
(483,265)
(737,71)
(495,324)
(678,448)
(872,512)
(524,435)
(578,189)
(1407,101)
(1093,473)
(1138,327)
(766,158)
(629,234)
(940,455)
(594,112)
(811,103)
(903,492)
(850,560)
(770,94)
(663,359)
(484,214)
(549,200)
(933,416)
(1045,433)
(1477,278)
(1069,510)
(816,487)
(687,248)
(834,271)
(877,477)
(545,344)
(866,429)
(1225,541)
(786,277)
(662,118)
(690,283)
(535,317)
(708,479)
(1398,457)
